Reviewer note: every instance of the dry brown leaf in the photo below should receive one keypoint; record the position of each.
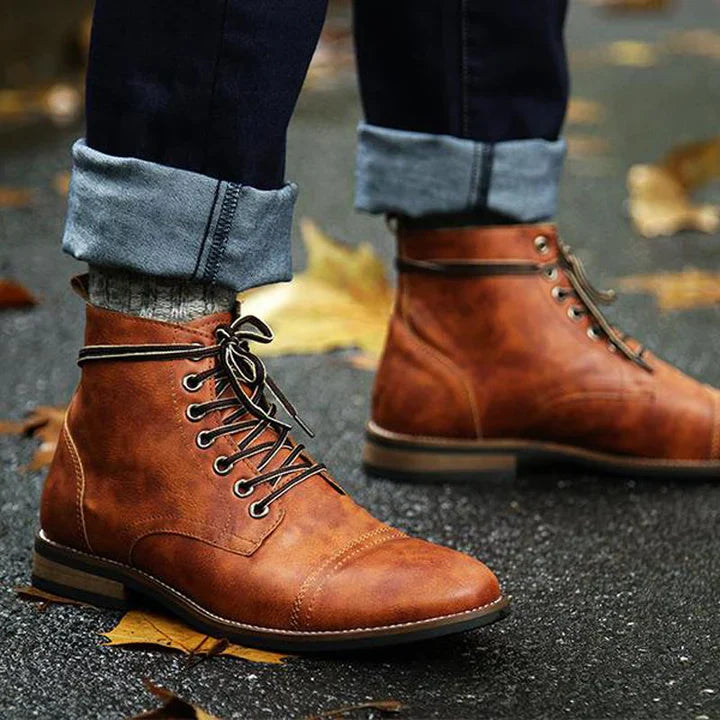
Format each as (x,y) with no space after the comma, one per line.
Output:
(677,291)
(14,295)
(583,146)
(333,57)
(342,300)
(624,53)
(144,627)
(659,201)
(16,198)
(33,594)
(61,183)
(44,422)
(632,53)
(384,706)
(584,112)
(700,42)
(174,708)
(61,103)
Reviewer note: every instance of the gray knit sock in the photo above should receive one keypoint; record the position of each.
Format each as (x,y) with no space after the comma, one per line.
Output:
(166,299)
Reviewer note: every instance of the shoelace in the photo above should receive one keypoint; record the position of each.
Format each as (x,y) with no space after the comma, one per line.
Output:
(589,297)
(239,370)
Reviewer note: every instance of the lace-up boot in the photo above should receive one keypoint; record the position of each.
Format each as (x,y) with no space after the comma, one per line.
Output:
(498,356)
(175,478)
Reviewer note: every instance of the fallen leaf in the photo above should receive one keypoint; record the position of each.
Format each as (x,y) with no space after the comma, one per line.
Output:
(383,706)
(334,57)
(700,42)
(14,295)
(624,53)
(342,300)
(144,627)
(61,103)
(43,598)
(45,423)
(677,291)
(174,708)
(61,183)
(659,199)
(694,164)
(583,146)
(632,53)
(584,112)
(16,198)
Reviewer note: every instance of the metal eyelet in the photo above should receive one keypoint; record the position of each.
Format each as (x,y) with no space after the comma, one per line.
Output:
(574,313)
(558,293)
(542,245)
(258,513)
(191,383)
(551,274)
(593,334)
(192,414)
(203,441)
(221,466)
(239,491)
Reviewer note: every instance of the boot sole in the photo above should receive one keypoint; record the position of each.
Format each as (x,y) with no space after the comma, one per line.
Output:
(106,583)
(407,457)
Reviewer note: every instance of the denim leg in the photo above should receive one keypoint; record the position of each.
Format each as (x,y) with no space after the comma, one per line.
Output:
(464,102)
(182,172)
(157,220)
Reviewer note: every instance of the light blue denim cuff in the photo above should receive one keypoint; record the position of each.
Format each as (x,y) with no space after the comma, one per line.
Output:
(418,174)
(157,220)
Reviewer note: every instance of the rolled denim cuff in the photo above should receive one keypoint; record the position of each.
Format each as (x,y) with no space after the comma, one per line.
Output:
(416,174)
(157,220)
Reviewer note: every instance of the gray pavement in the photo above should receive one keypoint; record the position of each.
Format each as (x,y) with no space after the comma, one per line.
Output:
(616,582)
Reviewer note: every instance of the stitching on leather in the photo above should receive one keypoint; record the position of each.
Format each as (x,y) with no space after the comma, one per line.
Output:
(363,547)
(310,579)
(160,518)
(278,631)
(79,482)
(205,540)
(449,364)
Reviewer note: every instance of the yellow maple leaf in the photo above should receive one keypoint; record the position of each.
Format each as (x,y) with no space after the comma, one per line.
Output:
(144,627)
(659,195)
(677,291)
(342,300)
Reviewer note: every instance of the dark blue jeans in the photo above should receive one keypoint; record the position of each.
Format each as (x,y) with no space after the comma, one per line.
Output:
(210,85)
(188,103)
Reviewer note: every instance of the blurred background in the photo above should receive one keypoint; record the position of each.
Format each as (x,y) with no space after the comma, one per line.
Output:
(619,612)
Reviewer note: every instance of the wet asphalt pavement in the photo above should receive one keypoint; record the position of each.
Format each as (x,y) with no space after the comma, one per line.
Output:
(616,582)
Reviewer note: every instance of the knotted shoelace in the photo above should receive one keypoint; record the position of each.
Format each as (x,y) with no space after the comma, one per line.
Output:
(241,382)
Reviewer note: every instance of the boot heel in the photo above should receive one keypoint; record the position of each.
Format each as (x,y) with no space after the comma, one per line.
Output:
(70,582)
(403,460)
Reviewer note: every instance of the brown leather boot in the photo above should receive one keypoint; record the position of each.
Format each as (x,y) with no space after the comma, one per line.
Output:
(174,478)
(498,356)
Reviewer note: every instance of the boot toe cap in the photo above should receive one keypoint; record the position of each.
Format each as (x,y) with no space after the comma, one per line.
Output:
(403,580)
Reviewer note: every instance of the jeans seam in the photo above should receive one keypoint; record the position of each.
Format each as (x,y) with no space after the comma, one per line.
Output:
(222,232)
(474,175)
(488,158)
(207,230)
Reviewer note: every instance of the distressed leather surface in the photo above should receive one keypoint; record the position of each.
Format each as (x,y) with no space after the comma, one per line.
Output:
(499,358)
(129,483)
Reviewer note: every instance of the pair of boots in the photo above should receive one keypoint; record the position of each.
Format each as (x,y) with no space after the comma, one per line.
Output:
(174,477)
